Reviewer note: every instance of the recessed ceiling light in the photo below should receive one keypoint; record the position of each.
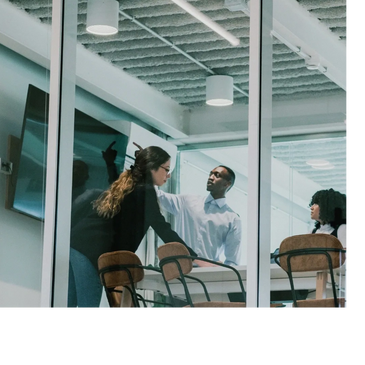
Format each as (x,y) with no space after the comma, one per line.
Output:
(324,167)
(312,63)
(320,164)
(317,162)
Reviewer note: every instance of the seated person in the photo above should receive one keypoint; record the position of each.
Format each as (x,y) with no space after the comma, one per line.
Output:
(328,209)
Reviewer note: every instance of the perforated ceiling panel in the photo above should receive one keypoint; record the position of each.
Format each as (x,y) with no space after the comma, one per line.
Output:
(139,50)
(168,49)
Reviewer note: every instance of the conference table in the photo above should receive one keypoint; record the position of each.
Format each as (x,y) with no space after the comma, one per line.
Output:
(222,280)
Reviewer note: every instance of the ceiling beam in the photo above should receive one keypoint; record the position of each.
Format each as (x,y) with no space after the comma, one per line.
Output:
(296,27)
(293,117)
(303,33)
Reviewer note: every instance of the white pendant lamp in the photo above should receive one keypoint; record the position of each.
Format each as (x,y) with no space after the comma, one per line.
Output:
(219,90)
(102,17)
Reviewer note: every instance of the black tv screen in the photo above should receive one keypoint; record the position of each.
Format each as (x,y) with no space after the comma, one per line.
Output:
(91,137)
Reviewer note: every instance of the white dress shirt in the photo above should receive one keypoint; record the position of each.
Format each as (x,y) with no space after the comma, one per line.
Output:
(209,226)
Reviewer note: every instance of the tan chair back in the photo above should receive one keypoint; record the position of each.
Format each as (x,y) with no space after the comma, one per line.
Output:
(119,277)
(170,270)
(311,262)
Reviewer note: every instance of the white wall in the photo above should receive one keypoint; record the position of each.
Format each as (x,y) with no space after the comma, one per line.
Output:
(20,236)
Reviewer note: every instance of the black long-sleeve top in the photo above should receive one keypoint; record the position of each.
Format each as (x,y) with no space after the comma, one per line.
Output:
(139,211)
(90,234)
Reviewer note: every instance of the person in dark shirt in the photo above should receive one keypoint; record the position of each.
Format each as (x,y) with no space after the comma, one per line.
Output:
(131,202)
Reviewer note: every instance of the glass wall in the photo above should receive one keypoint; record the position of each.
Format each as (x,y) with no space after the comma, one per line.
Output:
(299,180)
(308,151)
(294,182)
(24,69)
(152,73)
(308,126)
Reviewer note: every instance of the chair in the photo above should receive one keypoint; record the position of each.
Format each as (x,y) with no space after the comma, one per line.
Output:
(175,263)
(312,252)
(119,271)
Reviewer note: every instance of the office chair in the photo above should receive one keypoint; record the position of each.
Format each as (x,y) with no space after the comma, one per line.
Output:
(175,263)
(119,271)
(312,252)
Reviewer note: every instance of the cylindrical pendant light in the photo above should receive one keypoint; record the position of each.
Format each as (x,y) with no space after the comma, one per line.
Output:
(102,17)
(219,90)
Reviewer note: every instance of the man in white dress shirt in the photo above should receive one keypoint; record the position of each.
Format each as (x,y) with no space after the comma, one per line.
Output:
(207,224)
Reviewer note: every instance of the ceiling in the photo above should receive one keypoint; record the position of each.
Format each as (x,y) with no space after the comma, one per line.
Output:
(144,56)
(165,54)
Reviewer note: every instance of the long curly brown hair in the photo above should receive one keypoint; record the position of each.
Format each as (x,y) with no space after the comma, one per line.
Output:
(150,158)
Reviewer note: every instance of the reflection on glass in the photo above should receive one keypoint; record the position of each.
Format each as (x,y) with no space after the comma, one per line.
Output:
(91,137)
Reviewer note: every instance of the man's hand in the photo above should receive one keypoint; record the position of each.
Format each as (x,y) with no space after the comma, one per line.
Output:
(109,154)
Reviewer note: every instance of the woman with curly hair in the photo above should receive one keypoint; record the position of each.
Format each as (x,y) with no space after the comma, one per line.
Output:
(328,209)
(131,201)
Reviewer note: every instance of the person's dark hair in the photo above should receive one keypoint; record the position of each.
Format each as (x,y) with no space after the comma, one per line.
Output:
(332,207)
(231,175)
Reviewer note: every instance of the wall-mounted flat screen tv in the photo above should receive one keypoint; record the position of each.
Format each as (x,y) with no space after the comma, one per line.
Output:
(91,137)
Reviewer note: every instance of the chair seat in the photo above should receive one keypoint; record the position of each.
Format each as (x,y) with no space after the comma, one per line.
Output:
(320,303)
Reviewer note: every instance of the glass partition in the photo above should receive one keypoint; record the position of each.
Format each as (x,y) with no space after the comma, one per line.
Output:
(152,73)
(309,135)
(24,66)
(296,180)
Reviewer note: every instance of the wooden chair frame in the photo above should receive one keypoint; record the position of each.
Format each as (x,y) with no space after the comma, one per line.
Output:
(310,251)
